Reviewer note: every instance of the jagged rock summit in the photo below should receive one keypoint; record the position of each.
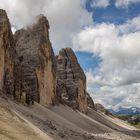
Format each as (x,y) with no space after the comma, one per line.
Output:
(35,78)
(71,81)
(30,72)
(7,53)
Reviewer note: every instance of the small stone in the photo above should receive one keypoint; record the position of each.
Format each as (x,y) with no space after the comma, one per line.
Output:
(61,135)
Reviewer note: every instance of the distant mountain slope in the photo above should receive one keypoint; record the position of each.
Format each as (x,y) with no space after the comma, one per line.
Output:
(127,111)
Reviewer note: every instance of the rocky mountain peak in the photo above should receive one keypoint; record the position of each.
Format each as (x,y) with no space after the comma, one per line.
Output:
(41,25)
(71,80)
(68,55)
(41,19)
(31,72)
(7,53)
(5,27)
(3,18)
(36,74)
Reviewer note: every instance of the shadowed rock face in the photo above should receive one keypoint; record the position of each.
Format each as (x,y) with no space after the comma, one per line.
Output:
(101,108)
(35,71)
(90,102)
(7,53)
(71,80)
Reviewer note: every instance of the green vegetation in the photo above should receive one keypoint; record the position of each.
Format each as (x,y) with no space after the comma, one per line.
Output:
(117,115)
(137,126)
(132,119)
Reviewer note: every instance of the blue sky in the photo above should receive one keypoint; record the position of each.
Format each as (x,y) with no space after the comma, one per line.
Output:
(88,60)
(112,14)
(109,14)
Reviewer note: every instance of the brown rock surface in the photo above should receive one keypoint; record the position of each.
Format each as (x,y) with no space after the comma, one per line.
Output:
(7,53)
(90,102)
(35,71)
(71,80)
(101,108)
(28,68)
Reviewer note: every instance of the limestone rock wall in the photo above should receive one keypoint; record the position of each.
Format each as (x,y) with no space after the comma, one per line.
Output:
(7,53)
(71,80)
(36,69)
(29,70)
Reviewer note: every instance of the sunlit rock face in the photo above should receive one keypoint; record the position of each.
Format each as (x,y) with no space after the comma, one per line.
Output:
(71,80)
(7,53)
(36,67)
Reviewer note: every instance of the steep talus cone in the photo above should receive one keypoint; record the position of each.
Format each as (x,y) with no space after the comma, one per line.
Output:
(71,80)
(36,69)
(7,53)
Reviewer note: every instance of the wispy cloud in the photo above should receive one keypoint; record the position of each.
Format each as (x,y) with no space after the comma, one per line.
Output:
(118,3)
(100,3)
(125,3)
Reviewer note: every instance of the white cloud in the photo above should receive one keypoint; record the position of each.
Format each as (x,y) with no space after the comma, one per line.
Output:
(118,3)
(100,3)
(22,13)
(113,97)
(125,3)
(119,73)
(66,17)
(131,25)
(66,20)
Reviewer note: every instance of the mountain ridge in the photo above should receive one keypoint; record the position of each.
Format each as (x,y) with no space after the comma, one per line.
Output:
(127,111)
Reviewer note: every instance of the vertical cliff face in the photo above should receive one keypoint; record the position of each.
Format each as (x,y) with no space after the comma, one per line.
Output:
(28,68)
(7,53)
(35,71)
(71,80)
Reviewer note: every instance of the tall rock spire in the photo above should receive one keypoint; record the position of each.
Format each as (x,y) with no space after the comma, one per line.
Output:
(37,64)
(71,80)
(7,53)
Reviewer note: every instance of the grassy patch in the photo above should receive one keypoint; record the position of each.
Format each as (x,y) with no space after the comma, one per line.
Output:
(137,126)
(133,120)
